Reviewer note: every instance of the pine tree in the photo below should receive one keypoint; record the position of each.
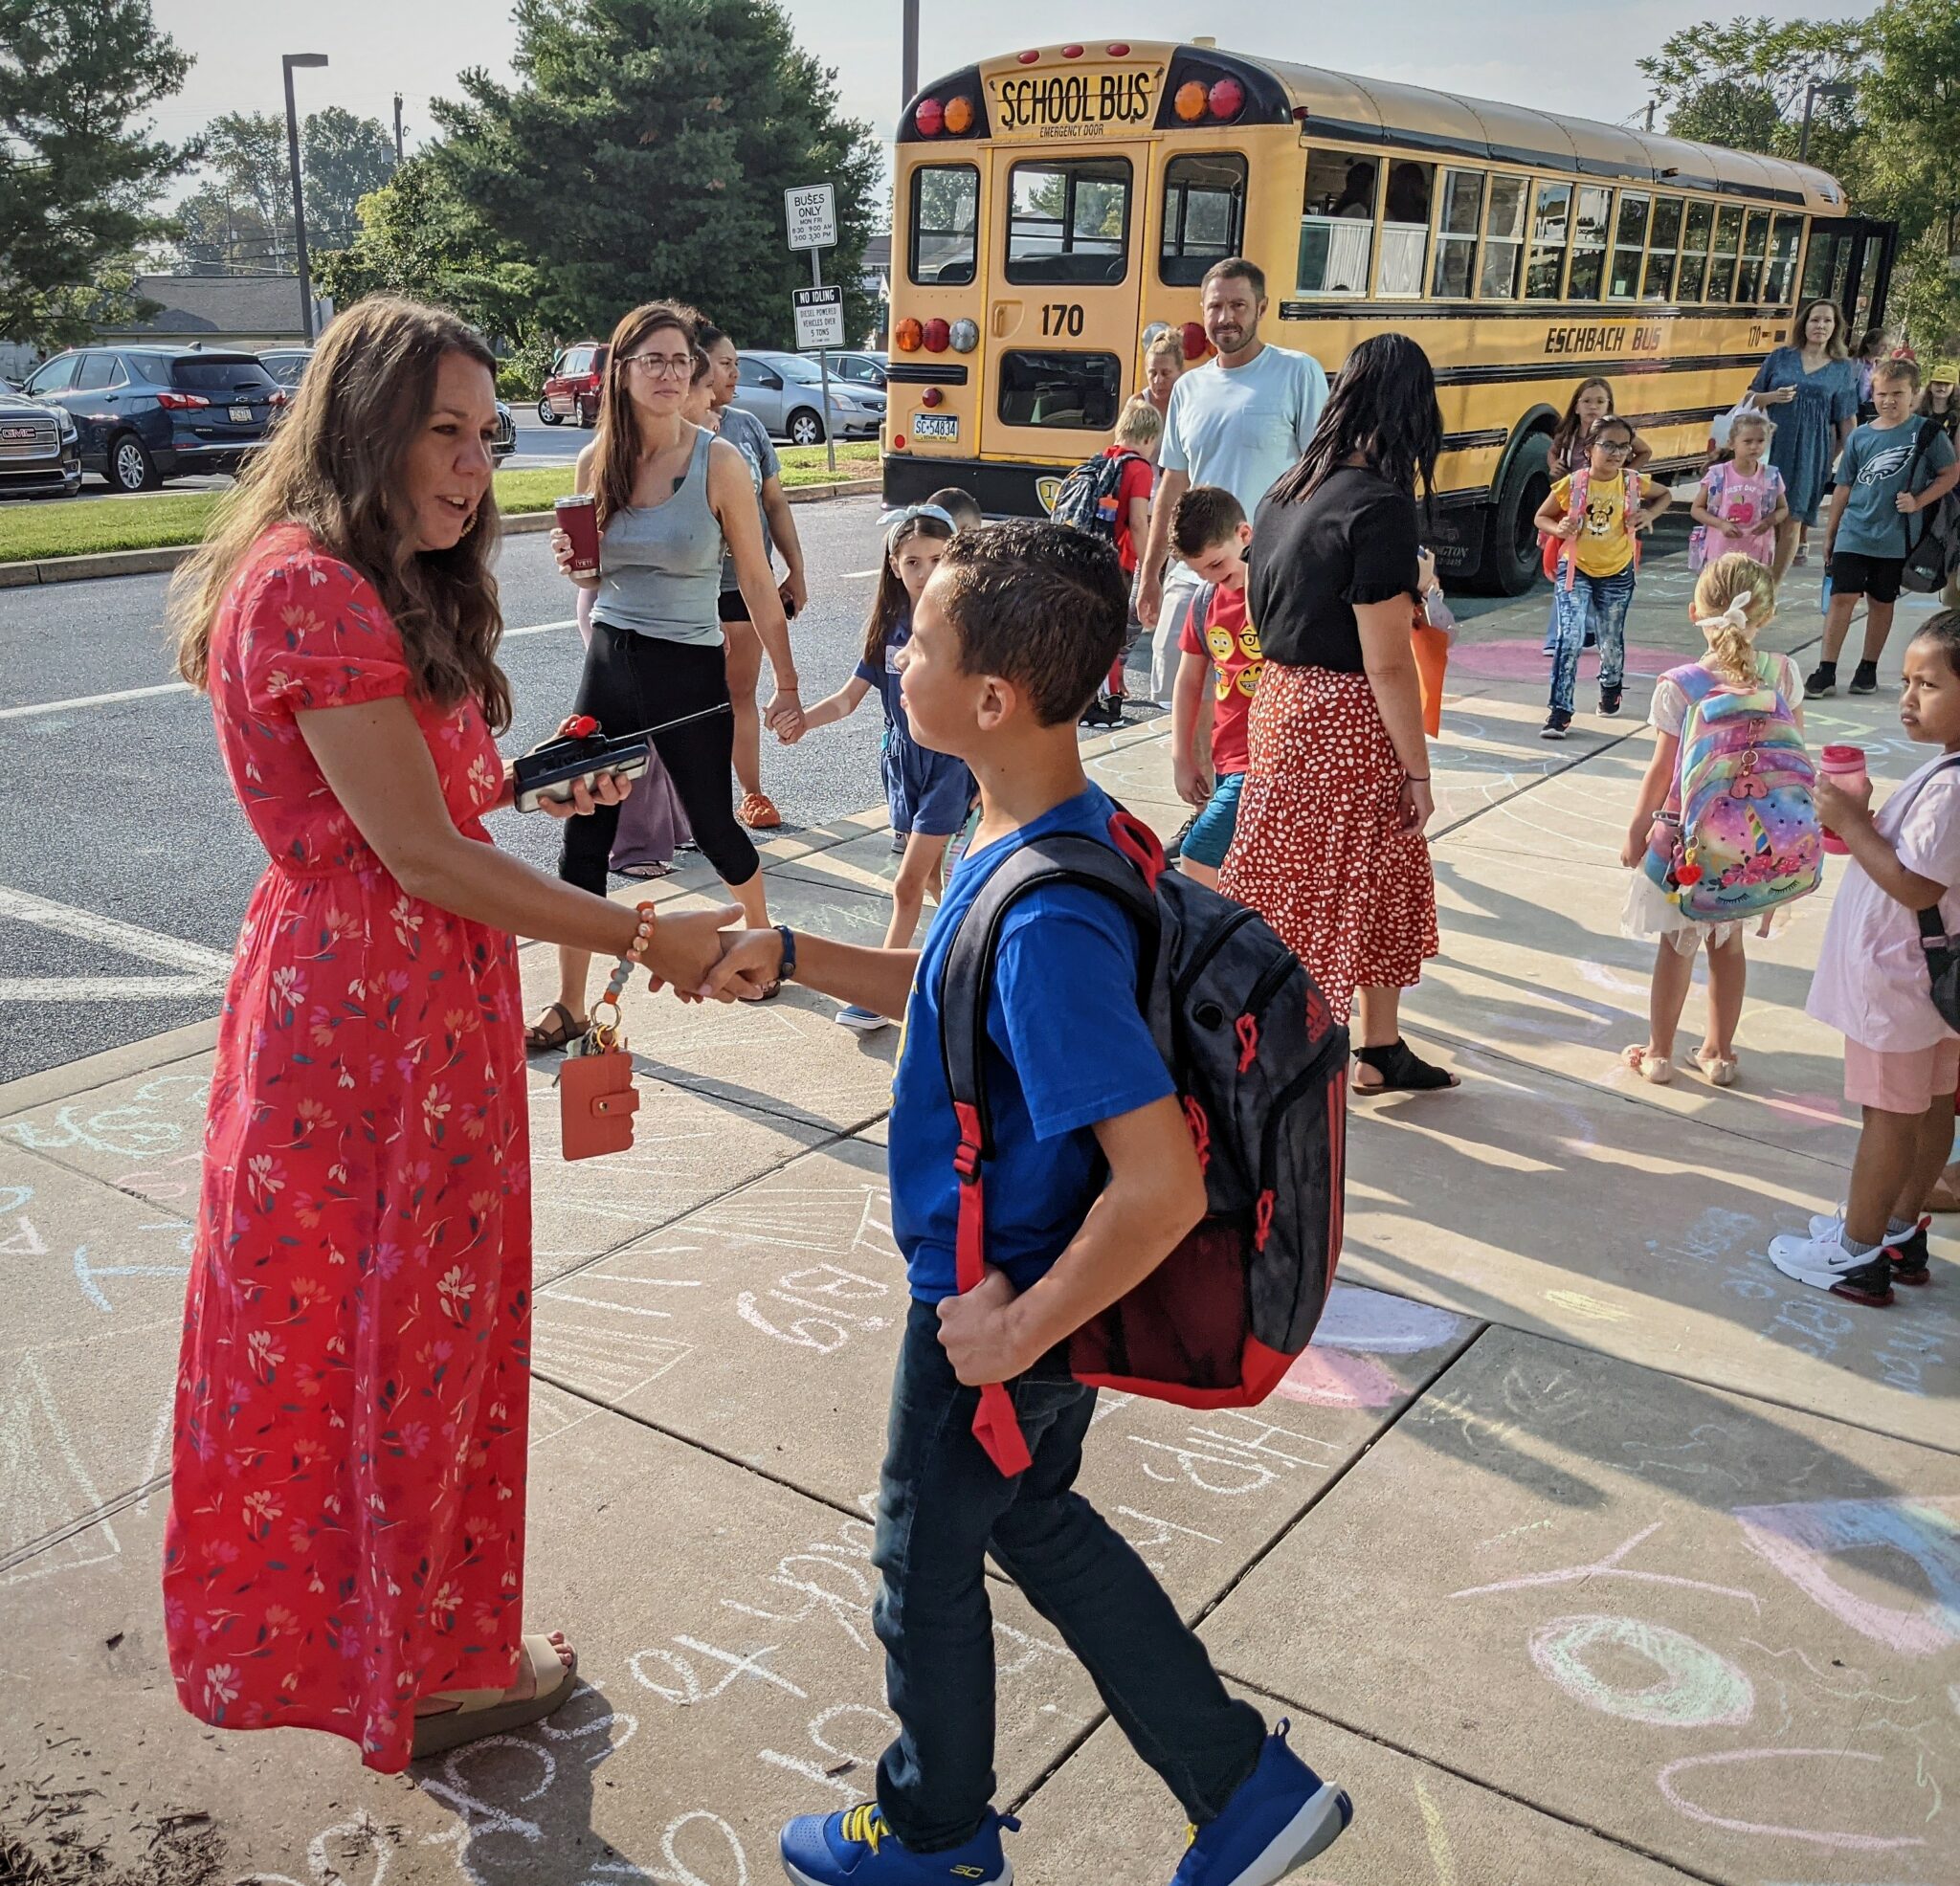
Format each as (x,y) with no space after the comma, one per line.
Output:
(81,170)
(644,152)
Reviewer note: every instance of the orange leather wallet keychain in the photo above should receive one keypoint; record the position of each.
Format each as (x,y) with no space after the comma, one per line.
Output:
(596,1098)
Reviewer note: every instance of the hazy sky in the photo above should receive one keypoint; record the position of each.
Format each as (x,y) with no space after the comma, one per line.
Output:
(1528,52)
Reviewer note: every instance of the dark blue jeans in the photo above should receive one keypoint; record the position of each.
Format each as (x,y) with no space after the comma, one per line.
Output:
(942,1507)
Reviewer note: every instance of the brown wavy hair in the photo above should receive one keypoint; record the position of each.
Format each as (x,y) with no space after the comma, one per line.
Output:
(617,445)
(336,466)
(1834,348)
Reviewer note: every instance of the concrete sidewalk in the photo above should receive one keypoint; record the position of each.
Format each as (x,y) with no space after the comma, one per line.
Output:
(1581,1547)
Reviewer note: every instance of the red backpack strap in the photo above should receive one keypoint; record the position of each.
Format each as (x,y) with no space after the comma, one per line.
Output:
(1630,505)
(1582,488)
(965,993)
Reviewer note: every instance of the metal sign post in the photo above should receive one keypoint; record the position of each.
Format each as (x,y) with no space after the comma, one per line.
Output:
(811,214)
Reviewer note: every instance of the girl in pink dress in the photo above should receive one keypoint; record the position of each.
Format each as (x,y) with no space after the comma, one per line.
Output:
(344,1547)
(1742,501)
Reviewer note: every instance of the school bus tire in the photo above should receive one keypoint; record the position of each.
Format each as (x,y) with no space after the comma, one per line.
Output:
(1510,563)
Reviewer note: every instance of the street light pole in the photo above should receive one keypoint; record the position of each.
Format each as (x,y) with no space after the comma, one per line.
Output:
(288,62)
(908,51)
(1834,88)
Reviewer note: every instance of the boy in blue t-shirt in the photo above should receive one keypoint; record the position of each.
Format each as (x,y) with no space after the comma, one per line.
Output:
(1093,1181)
(1887,476)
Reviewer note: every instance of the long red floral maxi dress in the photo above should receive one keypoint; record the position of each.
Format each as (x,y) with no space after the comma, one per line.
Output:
(347,1482)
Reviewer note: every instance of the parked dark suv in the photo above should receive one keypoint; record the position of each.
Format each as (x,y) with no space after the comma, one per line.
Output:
(38,447)
(145,414)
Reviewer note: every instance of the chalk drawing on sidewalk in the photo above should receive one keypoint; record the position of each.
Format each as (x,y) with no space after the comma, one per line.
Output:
(1698,1688)
(1800,1539)
(1611,1566)
(1859,1843)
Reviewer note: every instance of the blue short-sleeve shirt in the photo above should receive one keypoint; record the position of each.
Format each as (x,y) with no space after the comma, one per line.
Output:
(884,675)
(1067,1046)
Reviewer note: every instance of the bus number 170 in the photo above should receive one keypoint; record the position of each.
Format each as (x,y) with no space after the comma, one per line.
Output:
(1062,318)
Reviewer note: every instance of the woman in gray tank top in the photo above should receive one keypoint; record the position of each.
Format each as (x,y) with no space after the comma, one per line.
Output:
(672,500)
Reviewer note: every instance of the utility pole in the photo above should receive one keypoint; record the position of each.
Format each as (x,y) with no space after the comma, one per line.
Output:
(1650,113)
(908,51)
(1811,93)
(288,62)
(397,130)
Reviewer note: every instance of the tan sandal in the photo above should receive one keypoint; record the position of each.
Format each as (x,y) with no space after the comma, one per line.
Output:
(758,812)
(1719,1070)
(1946,1193)
(1648,1065)
(479,1713)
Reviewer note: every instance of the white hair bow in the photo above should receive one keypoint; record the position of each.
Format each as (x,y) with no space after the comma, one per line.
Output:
(890,521)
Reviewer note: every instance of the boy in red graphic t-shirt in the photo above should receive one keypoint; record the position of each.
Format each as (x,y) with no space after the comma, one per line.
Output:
(1210,532)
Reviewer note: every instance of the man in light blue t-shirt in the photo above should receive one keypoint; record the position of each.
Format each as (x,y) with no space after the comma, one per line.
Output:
(1237,421)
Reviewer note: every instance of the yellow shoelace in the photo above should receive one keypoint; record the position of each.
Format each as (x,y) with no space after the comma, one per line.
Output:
(865,1823)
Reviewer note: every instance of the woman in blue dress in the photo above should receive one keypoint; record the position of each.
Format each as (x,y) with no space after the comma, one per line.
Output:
(1810,392)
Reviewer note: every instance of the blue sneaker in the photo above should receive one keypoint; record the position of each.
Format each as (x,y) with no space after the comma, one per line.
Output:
(858,1849)
(860,1020)
(1281,1815)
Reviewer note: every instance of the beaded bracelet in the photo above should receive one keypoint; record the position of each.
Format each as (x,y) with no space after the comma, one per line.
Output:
(632,959)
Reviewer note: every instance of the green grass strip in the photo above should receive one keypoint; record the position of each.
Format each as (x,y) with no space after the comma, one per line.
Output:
(82,527)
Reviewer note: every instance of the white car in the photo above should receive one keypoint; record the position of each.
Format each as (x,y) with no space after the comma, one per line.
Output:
(785,391)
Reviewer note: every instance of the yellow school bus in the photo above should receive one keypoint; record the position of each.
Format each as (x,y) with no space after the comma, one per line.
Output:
(1057,207)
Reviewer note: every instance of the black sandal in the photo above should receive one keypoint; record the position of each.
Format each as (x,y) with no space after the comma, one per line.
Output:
(546,1036)
(1401,1071)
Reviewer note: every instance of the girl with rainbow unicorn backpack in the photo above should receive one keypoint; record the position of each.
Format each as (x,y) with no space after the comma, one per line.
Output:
(1725,830)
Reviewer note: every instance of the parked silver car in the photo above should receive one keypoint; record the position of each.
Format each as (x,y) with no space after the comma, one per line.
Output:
(859,366)
(785,391)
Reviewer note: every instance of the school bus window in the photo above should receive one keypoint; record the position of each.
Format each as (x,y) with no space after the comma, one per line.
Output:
(1628,243)
(1337,222)
(1781,271)
(1694,251)
(1721,260)
(946,213)
(1405,229)
(1664,243)
(1075,393)
(1588,244)
(1068,221)
(1455,235)
(1755,241)
(1504,239)
(1204,215)
(1551,220)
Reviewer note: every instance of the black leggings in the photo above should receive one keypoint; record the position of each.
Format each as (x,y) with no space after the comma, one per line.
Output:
(632,681)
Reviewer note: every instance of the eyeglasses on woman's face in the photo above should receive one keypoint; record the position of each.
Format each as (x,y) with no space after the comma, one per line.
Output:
(662,367)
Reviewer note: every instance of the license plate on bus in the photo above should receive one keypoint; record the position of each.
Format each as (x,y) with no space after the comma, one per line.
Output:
(936,426)
(241,415)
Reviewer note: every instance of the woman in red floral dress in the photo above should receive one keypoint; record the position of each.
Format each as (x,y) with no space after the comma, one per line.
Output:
(1328,847)
(345,1548)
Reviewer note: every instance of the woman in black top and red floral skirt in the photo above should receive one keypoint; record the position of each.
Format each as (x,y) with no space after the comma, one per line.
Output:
(1330,847)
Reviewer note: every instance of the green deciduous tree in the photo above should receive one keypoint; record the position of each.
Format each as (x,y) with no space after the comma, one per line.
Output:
(644,152)
(79,168)
(418,239)
(246,153)
(342,157)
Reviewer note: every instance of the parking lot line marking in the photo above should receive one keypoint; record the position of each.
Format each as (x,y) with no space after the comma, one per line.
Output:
(851,575)
(184,687)
(23,907)
(93,701)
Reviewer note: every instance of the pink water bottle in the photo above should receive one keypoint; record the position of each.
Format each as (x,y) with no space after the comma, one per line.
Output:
(1845,766)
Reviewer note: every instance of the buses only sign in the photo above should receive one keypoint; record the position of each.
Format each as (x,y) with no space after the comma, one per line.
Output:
(811,213)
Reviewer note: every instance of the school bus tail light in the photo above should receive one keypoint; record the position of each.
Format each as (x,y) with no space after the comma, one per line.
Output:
(1195,345)
(965,335)
(908,334)
(937,336)
(931,396)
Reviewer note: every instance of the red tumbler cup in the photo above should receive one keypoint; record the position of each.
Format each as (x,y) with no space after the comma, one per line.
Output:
(1845,767)
(578,518)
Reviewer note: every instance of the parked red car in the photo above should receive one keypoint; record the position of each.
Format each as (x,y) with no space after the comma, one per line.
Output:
(572,388)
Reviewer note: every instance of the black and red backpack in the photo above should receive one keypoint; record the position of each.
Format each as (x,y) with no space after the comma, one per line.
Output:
(1261,1069)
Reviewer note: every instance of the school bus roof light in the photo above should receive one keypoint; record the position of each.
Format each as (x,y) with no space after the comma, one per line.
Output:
(959,116)
(908,334)
(1192,99)
(930,117)
(965,335)
(1119,50)
(1071,52)
(937,336)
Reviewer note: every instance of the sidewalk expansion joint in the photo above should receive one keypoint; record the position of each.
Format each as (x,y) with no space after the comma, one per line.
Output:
(1073,1746)
(1477,1781)
(69,1529)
